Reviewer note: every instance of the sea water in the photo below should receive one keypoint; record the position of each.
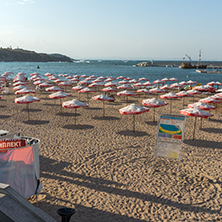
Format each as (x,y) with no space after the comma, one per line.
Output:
(106,68)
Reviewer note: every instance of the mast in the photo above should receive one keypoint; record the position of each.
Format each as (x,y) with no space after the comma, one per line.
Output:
(199,57)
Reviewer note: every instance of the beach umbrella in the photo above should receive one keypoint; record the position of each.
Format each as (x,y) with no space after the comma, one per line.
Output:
(143,79)
(120,77)
(65,84)
(165,79)
(183,83)
(193,92)
(85,82)
(38,82)
(202,106)
(77,88)
(170,96)
(109,89)
(183,94)
(126,93)
(165,87)
(195,112)
(154,103)
(95,84)
(190,82)
(123,82)
(133,109)
(53,89)
(103,98)
(74,104)
(211,99)
(19,87)
(157,81)
(139,84)
(148,83)
(145,91)
(59,95)
(110,84)
(173,79)
(175,85)
(20,83)
(133,81)
(97,80)
(211,83)
(87,91)
(45,84)
(124,86)
(26,100)
(157,90)
(24,91)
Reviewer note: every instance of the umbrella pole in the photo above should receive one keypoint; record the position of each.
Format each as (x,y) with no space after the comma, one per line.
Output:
(216,108)
(134,123)
(153,114)
(103,110)
(170,106)
(194,127)
(75,117)
(28,111)
(200,122)
(183,101)
(61,105)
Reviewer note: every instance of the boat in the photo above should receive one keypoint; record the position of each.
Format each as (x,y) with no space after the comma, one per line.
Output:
(188,65)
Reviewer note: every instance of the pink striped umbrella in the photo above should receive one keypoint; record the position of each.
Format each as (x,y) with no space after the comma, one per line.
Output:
(154,103)
(133,109)
(24,91)
(26,100)
(126,93)
(195,112)
(53,89)
(170,96)
(103,98)
(109,89)
(74,104)
(124,86)
(59,95)
(183,94)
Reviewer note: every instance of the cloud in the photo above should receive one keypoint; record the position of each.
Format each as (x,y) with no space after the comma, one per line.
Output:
(24,2)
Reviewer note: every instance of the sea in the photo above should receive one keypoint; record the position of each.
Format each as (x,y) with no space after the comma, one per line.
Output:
(114,68)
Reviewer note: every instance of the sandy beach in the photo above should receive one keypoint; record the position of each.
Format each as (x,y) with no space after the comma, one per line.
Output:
(103,169)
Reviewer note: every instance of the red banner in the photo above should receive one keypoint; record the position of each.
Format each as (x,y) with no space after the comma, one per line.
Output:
(11,143)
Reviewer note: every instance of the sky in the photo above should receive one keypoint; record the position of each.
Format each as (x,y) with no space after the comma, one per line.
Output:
(114,29)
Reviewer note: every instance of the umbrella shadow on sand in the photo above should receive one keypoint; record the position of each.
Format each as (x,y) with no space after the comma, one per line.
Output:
(4,116)
(211,130)
(68,114)
(2,106)
(152,123)
(131,133)
(78,126)
(203,143)
(93,108)
(105,118)
(32,110)
(36,122)
(215,120)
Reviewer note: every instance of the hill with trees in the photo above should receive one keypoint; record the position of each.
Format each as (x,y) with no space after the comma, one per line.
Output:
(21,55)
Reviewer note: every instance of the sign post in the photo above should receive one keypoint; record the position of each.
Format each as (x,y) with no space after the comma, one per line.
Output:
(169,137)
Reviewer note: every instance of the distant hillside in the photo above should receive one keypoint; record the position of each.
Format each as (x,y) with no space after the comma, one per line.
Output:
(21,55)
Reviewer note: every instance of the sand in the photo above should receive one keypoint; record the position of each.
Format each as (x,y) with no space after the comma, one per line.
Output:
(104,170)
